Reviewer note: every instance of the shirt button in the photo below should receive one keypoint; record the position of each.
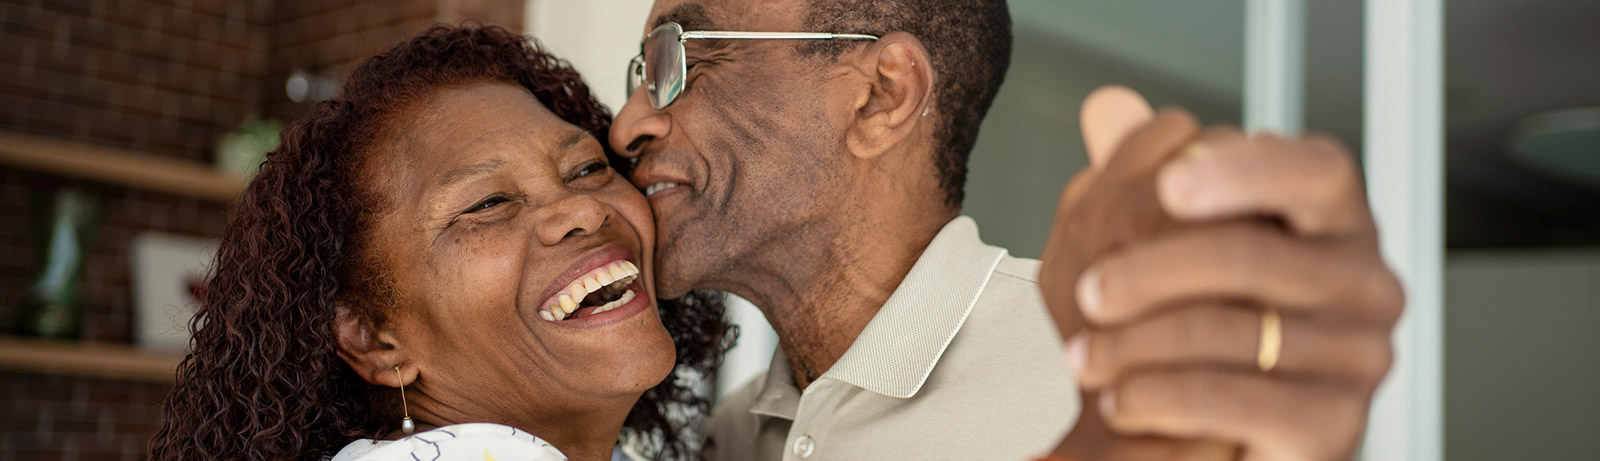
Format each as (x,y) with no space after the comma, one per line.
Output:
(803,446)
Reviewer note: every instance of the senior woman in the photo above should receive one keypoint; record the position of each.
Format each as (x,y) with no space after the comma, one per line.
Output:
(444,245)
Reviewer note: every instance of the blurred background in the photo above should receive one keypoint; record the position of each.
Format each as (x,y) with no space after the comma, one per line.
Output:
(127,126)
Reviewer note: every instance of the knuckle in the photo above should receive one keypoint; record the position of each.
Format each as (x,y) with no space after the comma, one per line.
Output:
(1378,359)
(1382,289)
(1341,176)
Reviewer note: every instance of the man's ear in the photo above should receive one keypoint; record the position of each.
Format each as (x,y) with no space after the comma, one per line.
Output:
(369,350)
(900,79)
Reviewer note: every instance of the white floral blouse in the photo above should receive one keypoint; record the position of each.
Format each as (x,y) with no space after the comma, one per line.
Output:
(475,441)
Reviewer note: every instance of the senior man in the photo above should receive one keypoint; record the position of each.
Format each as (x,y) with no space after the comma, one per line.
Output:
(1203,293)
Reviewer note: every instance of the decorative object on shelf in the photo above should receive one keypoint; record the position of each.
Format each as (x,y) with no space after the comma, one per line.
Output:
(51,308)
(168,274)
(310,88)
(242,150)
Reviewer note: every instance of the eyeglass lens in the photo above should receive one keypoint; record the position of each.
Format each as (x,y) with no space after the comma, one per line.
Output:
(662,67)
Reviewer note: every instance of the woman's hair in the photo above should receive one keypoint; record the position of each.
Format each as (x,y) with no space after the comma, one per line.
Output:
(263,379)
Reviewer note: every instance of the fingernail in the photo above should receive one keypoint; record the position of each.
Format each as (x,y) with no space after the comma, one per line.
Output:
(1077,355)
(1108,402)
(1090,298)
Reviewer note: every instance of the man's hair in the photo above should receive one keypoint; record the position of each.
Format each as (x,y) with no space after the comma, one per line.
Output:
(969,42)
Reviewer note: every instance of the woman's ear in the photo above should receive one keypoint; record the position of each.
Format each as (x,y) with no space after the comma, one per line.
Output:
(371,351)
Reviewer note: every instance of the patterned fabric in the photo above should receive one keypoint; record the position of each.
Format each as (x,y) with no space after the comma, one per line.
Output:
(476,441)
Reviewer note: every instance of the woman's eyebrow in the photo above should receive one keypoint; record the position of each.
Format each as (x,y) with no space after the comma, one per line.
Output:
(572,140)
(458,174)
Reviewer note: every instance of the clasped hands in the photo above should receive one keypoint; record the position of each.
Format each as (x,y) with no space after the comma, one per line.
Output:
(1163,264)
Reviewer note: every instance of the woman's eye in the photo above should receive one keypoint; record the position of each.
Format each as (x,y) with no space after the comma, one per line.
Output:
(486,204)
(592,168)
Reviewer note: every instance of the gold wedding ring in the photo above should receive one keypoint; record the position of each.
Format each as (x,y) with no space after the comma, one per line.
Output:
(1271,340)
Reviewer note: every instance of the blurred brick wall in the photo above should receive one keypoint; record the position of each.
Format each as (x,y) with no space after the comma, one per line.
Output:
(158,77)
(53,417)
(332,37)
(164,77)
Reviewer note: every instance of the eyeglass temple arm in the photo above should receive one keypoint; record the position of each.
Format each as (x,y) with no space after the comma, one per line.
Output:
(694,34)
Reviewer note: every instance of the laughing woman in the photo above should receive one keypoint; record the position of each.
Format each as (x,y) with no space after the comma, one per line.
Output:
(444,260)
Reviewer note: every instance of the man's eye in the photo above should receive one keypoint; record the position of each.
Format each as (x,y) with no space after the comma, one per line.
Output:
(486,204)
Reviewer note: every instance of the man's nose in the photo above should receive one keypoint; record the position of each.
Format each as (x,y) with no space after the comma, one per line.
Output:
(638,123)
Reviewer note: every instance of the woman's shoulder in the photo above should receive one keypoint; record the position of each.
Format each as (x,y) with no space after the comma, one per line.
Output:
(474,441)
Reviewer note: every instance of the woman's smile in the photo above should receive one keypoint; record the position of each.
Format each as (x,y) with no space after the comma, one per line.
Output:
(607,288)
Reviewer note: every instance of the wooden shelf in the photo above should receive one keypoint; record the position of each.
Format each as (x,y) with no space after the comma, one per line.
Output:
(86,359)
(116,166)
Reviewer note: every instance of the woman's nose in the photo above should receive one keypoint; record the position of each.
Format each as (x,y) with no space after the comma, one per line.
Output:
(574,215)
(637,124)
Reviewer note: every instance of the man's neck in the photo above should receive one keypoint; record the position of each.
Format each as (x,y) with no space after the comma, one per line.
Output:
(818,305)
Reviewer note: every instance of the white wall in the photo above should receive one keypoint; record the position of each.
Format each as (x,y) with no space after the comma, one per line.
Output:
(597,36)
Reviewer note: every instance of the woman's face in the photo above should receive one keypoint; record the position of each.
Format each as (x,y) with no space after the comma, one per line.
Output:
(499,214)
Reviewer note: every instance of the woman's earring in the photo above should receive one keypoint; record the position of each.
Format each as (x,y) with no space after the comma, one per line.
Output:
(406,425)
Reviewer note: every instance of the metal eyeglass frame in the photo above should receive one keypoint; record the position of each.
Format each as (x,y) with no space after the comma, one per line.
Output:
(637,71)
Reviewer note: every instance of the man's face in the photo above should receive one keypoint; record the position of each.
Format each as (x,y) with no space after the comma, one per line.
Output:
(745,159)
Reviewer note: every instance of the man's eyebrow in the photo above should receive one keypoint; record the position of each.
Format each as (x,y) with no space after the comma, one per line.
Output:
(477,169)
(692,16)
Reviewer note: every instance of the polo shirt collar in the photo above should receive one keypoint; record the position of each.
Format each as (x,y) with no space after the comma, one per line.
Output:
(896,352)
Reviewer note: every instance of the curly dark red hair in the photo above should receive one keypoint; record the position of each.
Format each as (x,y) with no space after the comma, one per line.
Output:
(262,379)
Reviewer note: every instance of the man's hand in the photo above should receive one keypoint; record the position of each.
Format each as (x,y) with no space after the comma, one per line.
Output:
(1163,260)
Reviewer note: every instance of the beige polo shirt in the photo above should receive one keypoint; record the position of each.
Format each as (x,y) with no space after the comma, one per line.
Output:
(962,362)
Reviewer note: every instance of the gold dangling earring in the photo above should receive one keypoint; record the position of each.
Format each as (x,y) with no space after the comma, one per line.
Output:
(406,425)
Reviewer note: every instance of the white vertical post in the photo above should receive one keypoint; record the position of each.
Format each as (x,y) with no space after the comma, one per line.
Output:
(1274,77)
(1405,168)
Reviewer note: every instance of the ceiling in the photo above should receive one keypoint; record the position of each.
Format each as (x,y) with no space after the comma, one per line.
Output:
(1505,61)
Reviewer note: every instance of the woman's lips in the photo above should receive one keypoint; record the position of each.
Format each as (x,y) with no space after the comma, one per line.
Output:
(587,317)
(614,281)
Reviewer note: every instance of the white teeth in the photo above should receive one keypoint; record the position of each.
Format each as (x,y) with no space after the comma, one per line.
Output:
(628,296)
(658,187)
(567,304)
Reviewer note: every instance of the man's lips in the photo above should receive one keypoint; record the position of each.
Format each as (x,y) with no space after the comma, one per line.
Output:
(660,187)
(654,177)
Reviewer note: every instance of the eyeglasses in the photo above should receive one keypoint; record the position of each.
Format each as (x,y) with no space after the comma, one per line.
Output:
(663,77)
